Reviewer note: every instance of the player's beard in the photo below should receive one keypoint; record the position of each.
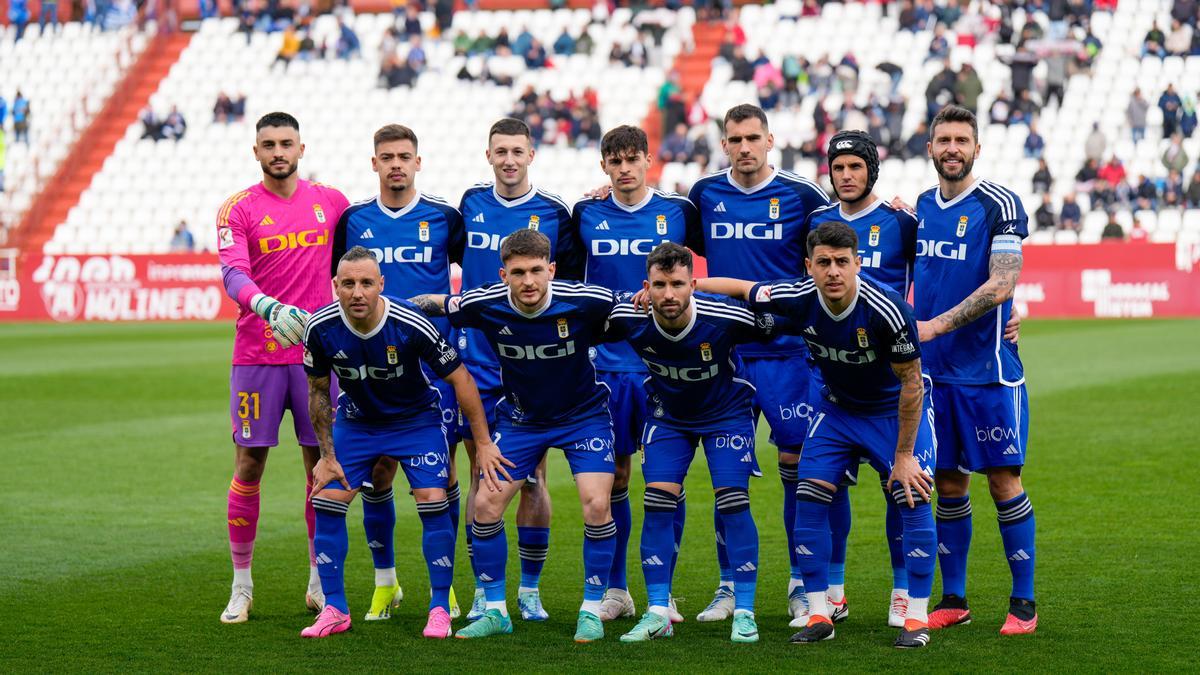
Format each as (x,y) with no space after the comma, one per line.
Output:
(280,174)
(968,163)
(675,312)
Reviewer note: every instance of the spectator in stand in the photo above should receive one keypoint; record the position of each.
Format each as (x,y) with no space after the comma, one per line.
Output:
(348,44)
(1192,194)
(462,43)
(20,115)
(585,44)
(564,45)
(940,90)
(1173,189)
(412,22)
(1001,110)
(915,146)
(416,54)
(1175,157)
(535,56)
(810,8)
(1137,232)
(939,46)
(308,47)
(1022,64)
(523,41)
(1087,177)
(182,241)
(1170,103)
(239,107)
(1179,41)
(1070,215)
(1044,217)
(1113,229)
(1042,180)
(675,146)
(743,69)
(289,49)
(3,150)
(1112,173)
(1091,49)
(1187,116)
(967,88)
(1096,143)
(18,15)
(1035,145)
(670,101)
(1146,193)
(151,124)
(1135,115)
(397,72)
(768,97)
(1025,109)
(1184,10)
(223,109)
(174,126)
(1056,77)
(1152,44)
(48,13)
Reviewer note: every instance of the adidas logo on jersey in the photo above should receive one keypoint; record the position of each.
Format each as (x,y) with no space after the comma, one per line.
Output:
(506,331)
(477,219)
(810,331)
(368,234)
(609,457)
(374,544)
(1019,556)
(484,577)
(917,553)
(323,559)
(719,208)
(443,474)
(653,561)
(748,567)
(267,220)
(1011,450)
(340,355)
(649,350)
(442,562)
(603,225)
(943,550)
(747,458)
(594,580)
(803,550)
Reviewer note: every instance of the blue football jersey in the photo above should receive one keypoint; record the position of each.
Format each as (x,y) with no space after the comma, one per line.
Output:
(887,240)
(545,371)
(414,245)
(379,372)
(955,242)
(854,350)
(757,234)
(488,219)
(617,238)
(696,377)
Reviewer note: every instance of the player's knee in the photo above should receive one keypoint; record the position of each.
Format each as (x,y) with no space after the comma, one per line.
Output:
(732,500)
(596,507)
(952,483)
(791,458)
(426,495)
(900,496)
(1004,483)
(332,502)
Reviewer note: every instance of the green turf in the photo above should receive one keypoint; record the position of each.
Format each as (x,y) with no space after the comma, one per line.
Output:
(115,553)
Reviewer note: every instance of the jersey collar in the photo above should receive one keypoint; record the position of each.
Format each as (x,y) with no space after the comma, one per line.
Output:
(683,333)
(540,310)
(387,308)
(509,203)
(636,207)
(874,205)
(394,214)
(751,190)
(850,308)
(942,204)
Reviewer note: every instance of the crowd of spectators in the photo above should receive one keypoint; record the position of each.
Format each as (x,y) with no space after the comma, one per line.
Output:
(157,127)
(573,121)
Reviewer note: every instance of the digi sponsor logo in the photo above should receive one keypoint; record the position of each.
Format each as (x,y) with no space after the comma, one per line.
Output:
(535,352)
(292,240)
(365,372)
(758,231)
(641,247)
(948,250)
(682,374)
(404,254)
(872,259)
(484,240)
(854,357)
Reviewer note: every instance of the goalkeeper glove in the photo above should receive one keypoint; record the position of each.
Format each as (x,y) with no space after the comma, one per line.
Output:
(286,321)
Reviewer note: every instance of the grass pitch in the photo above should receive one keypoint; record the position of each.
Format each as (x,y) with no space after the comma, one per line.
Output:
(116,556)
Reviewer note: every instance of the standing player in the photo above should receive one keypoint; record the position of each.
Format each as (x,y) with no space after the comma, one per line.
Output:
(698,396)
(617,233)
(874,404)
(753,216)
(968,263)
(387,408)
(491,212)
(415,237)
(542,330)
(273,240)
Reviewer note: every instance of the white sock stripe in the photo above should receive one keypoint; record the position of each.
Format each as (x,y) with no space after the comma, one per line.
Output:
(487,530)
(453,493)
(604,531)
(957,512)
(899,498)
(433,508)
(810,491)
(620,495)
(789,472)
(377,497)
(1018,511)
(682,495)
(330,506)
(733,500)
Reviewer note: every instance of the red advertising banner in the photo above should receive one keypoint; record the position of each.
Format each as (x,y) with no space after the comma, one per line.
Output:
(1082,280)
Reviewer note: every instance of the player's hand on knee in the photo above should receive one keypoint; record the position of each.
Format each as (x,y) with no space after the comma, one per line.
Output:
(327,472)
(491,462)
(912,479)
(1012,329)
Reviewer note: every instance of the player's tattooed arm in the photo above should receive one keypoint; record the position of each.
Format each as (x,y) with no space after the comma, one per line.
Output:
(320,411)
(906,470)
(1003,271)
(432,304)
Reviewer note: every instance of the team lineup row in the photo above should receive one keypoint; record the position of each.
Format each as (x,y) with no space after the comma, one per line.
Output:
(540,360)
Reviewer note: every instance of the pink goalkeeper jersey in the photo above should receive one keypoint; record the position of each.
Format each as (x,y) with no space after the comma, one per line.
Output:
(283,246)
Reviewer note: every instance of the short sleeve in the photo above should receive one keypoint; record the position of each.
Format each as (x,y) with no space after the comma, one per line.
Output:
(316,361)
(461,315)
(900,335)
(435,351)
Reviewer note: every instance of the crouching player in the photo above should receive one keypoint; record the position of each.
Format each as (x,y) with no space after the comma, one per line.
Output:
(696,393)
(862,336)
(387,408)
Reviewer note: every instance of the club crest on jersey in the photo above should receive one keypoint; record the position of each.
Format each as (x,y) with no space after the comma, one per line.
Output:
(862,338)
(962,226)
(660,222)
(245,428)
(563,329)
(773,211)
(271,347)
(319,213)
(873,237)
(392,356)
(706,351)
(423,230)
(534,222)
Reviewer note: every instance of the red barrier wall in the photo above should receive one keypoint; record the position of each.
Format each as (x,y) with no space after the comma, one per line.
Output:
(1096,280)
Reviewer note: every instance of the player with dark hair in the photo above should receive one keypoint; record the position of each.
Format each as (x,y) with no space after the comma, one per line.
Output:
(491,212)
(616,234)
(273,240)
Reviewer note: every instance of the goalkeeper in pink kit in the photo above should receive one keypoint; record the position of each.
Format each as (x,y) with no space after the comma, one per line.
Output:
(274,240)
